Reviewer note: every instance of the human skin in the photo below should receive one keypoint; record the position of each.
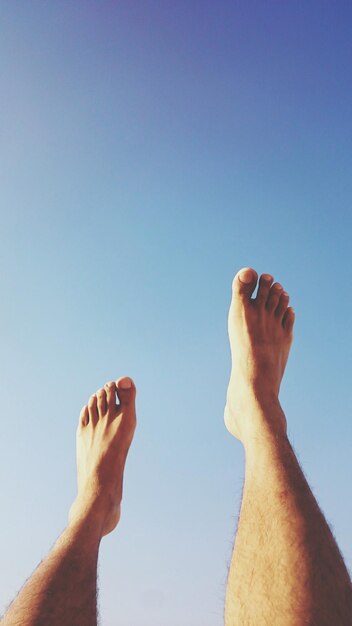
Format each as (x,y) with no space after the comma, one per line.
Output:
(286,568)
(63,589)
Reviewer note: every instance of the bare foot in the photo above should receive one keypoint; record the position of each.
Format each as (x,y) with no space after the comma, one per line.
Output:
(261,333)
(104,435)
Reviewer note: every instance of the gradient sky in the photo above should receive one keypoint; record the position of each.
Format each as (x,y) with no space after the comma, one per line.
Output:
(148,151)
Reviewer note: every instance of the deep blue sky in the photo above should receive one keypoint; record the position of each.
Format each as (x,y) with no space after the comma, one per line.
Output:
(148,151)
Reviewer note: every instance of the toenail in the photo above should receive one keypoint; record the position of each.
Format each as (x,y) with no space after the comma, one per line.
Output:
(246,276)
(278,286)
(267,277)
(126,383)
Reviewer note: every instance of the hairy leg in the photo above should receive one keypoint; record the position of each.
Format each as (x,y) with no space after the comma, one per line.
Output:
(62,590)
(286,568)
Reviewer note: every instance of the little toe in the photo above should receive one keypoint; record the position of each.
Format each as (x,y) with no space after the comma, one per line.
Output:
(274,297)
(84,416)
(282,306)
(92,409)
(289,319)
(101,402)
(244,284)
(111,396)
(265,283)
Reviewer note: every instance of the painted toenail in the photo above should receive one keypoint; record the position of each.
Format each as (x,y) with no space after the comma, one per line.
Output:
(126,383)
(246,276)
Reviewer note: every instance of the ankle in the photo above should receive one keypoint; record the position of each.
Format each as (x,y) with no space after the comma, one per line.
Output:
(88,512)
(266,422)
(84,530)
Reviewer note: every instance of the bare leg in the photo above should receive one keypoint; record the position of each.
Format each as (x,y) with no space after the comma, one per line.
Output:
(62,590)
(286,568)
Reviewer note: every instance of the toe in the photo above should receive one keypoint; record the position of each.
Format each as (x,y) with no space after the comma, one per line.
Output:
(274,297)
(289,319)
(92,409)
(244,284)
(126,390)
(84,416)
(265,283)
(110,389)
(101,402)
(282,306)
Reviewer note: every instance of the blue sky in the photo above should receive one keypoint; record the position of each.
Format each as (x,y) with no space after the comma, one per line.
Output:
(149,150)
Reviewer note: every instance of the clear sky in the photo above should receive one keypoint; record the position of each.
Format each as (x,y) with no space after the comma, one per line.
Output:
(149,150)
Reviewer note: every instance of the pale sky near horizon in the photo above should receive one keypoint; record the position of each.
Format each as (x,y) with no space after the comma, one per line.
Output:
(148,151)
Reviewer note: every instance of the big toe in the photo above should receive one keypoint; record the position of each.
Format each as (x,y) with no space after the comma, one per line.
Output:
(126,391)
(243,285)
